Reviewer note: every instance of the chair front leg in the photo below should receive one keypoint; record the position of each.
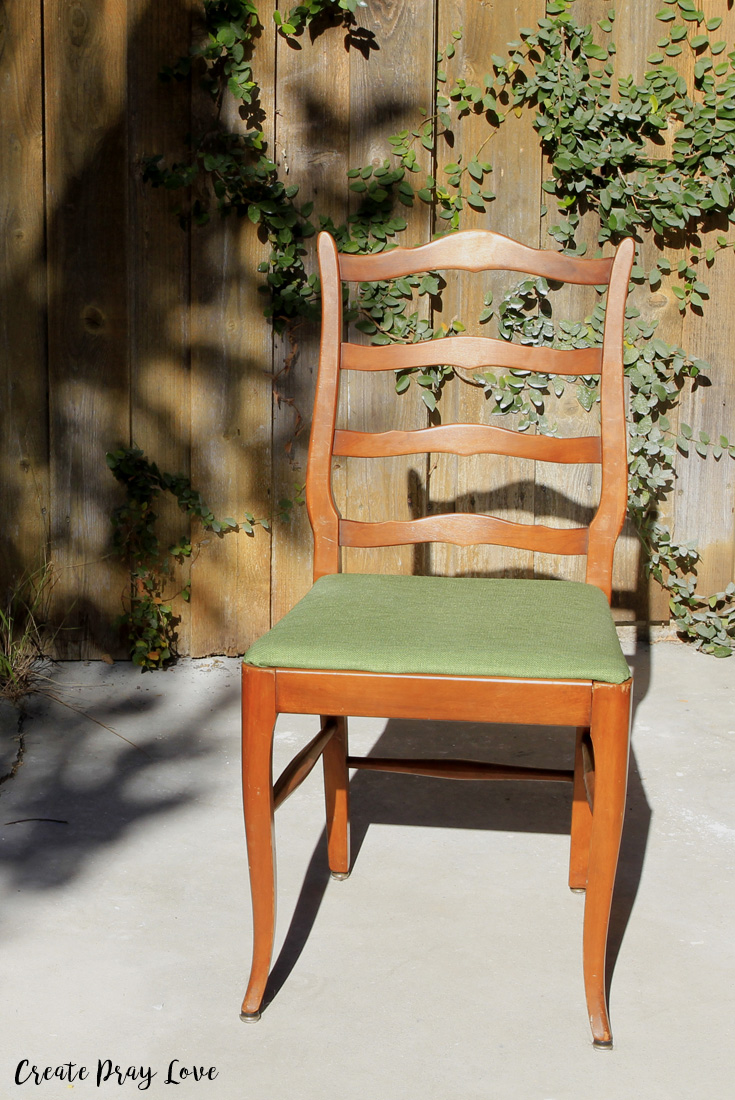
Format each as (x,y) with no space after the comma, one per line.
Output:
(337,798)
(579,853)
(258,721)
(609,731)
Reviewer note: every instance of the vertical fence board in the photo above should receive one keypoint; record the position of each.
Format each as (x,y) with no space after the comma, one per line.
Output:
(388,92)
(230,427)
(158,268)
(311,148)
(86,182)
(705,489)
(492,483)
(23,405)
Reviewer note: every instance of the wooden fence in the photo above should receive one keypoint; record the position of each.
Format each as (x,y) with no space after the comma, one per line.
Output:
(117,325)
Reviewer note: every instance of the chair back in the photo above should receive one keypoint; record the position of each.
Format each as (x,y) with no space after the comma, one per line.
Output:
(470,251)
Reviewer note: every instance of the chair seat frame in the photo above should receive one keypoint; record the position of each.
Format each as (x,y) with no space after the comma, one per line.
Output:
(600,711)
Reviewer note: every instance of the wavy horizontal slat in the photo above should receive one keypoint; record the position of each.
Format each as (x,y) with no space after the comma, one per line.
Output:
(466,439)
(472,353)
(463,529)
(474,250)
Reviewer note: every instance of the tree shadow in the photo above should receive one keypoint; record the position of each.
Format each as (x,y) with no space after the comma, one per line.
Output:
(81,792)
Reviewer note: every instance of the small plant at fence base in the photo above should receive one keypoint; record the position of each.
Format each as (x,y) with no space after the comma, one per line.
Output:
(601,135)
(149,619)
(24,636)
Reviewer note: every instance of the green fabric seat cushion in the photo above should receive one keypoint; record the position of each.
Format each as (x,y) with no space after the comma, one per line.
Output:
(461,626)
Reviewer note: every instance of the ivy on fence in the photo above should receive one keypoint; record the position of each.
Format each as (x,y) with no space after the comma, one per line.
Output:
(601,133)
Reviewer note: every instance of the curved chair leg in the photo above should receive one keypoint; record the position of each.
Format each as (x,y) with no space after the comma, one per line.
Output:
(337,798)
(579,854)
(258,720)
(609,731)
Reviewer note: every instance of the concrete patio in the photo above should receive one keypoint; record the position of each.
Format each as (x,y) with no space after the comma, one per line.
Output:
(448,965)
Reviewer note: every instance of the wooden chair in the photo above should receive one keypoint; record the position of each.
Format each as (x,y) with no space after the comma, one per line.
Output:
(536,652)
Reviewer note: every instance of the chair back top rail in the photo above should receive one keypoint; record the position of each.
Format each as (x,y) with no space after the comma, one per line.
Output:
(474,250)
(471,251)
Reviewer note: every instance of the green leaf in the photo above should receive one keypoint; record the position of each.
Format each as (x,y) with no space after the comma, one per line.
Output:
(226,36)
(721,193)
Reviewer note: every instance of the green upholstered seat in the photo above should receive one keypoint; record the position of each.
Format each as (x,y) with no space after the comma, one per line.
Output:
(461,626)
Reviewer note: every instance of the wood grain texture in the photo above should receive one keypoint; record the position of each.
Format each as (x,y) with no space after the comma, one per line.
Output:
(387,92)
(85,50)
(312,99)
(158,117)
(635,28)
(487,254)
(459,769)
(337,797)
(608,519)
(321,508)
(462,529)
(231,348)
(467,439)
(609,733)
(440,698)
(23,365)
(472,353)
(503,486)
(258,720)
(579,849)
(711,409)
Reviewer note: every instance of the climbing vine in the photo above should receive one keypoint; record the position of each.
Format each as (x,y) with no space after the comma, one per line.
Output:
(148,619)
(601,133)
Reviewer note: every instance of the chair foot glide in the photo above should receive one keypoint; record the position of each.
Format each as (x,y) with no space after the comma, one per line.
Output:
(340,875)
(249,1017)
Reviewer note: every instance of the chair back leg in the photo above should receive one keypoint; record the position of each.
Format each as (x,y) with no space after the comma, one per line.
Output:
(336,795)
(579,853)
